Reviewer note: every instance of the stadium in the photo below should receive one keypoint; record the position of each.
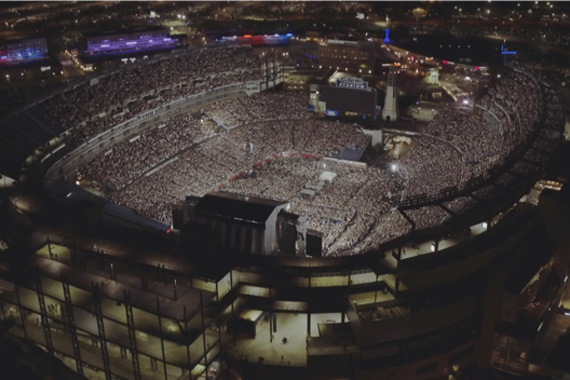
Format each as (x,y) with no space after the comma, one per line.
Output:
(181,146)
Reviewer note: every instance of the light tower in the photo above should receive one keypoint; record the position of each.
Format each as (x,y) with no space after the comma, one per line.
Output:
(389,112)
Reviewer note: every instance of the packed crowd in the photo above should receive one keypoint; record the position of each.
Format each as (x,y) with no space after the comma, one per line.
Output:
(469,135)
(427,216)
(431,166)
(91,108)
(457,147)
(152,147)
(277,106)
(264,145)
(516,102)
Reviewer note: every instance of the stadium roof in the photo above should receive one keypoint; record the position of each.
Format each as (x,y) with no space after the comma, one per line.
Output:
(223,205)
(21,134)
(535,255)
(351,154)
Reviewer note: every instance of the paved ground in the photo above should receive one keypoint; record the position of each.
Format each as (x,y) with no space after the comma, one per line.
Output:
(292,353)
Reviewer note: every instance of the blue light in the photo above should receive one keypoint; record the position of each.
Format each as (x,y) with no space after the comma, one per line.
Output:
(509,52)
(289,35)
(387,36)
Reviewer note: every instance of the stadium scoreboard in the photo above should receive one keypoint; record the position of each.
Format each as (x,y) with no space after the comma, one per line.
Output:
(353,83)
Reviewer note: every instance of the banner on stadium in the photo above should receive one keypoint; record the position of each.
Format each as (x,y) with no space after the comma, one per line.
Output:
(351,82)
(331,113)
(310,108)
(252,88)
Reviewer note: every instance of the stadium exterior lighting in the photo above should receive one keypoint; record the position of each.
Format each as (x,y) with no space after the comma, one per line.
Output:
(465,101)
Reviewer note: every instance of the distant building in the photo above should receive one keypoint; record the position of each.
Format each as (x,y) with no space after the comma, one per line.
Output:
(29,49)
(128,42)
(347,55)
(296,80)
(304,54)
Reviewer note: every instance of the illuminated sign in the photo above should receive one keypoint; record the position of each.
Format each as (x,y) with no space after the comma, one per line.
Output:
(252,88)
(138,41)
(249,39)
(45,68)
(354,83)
